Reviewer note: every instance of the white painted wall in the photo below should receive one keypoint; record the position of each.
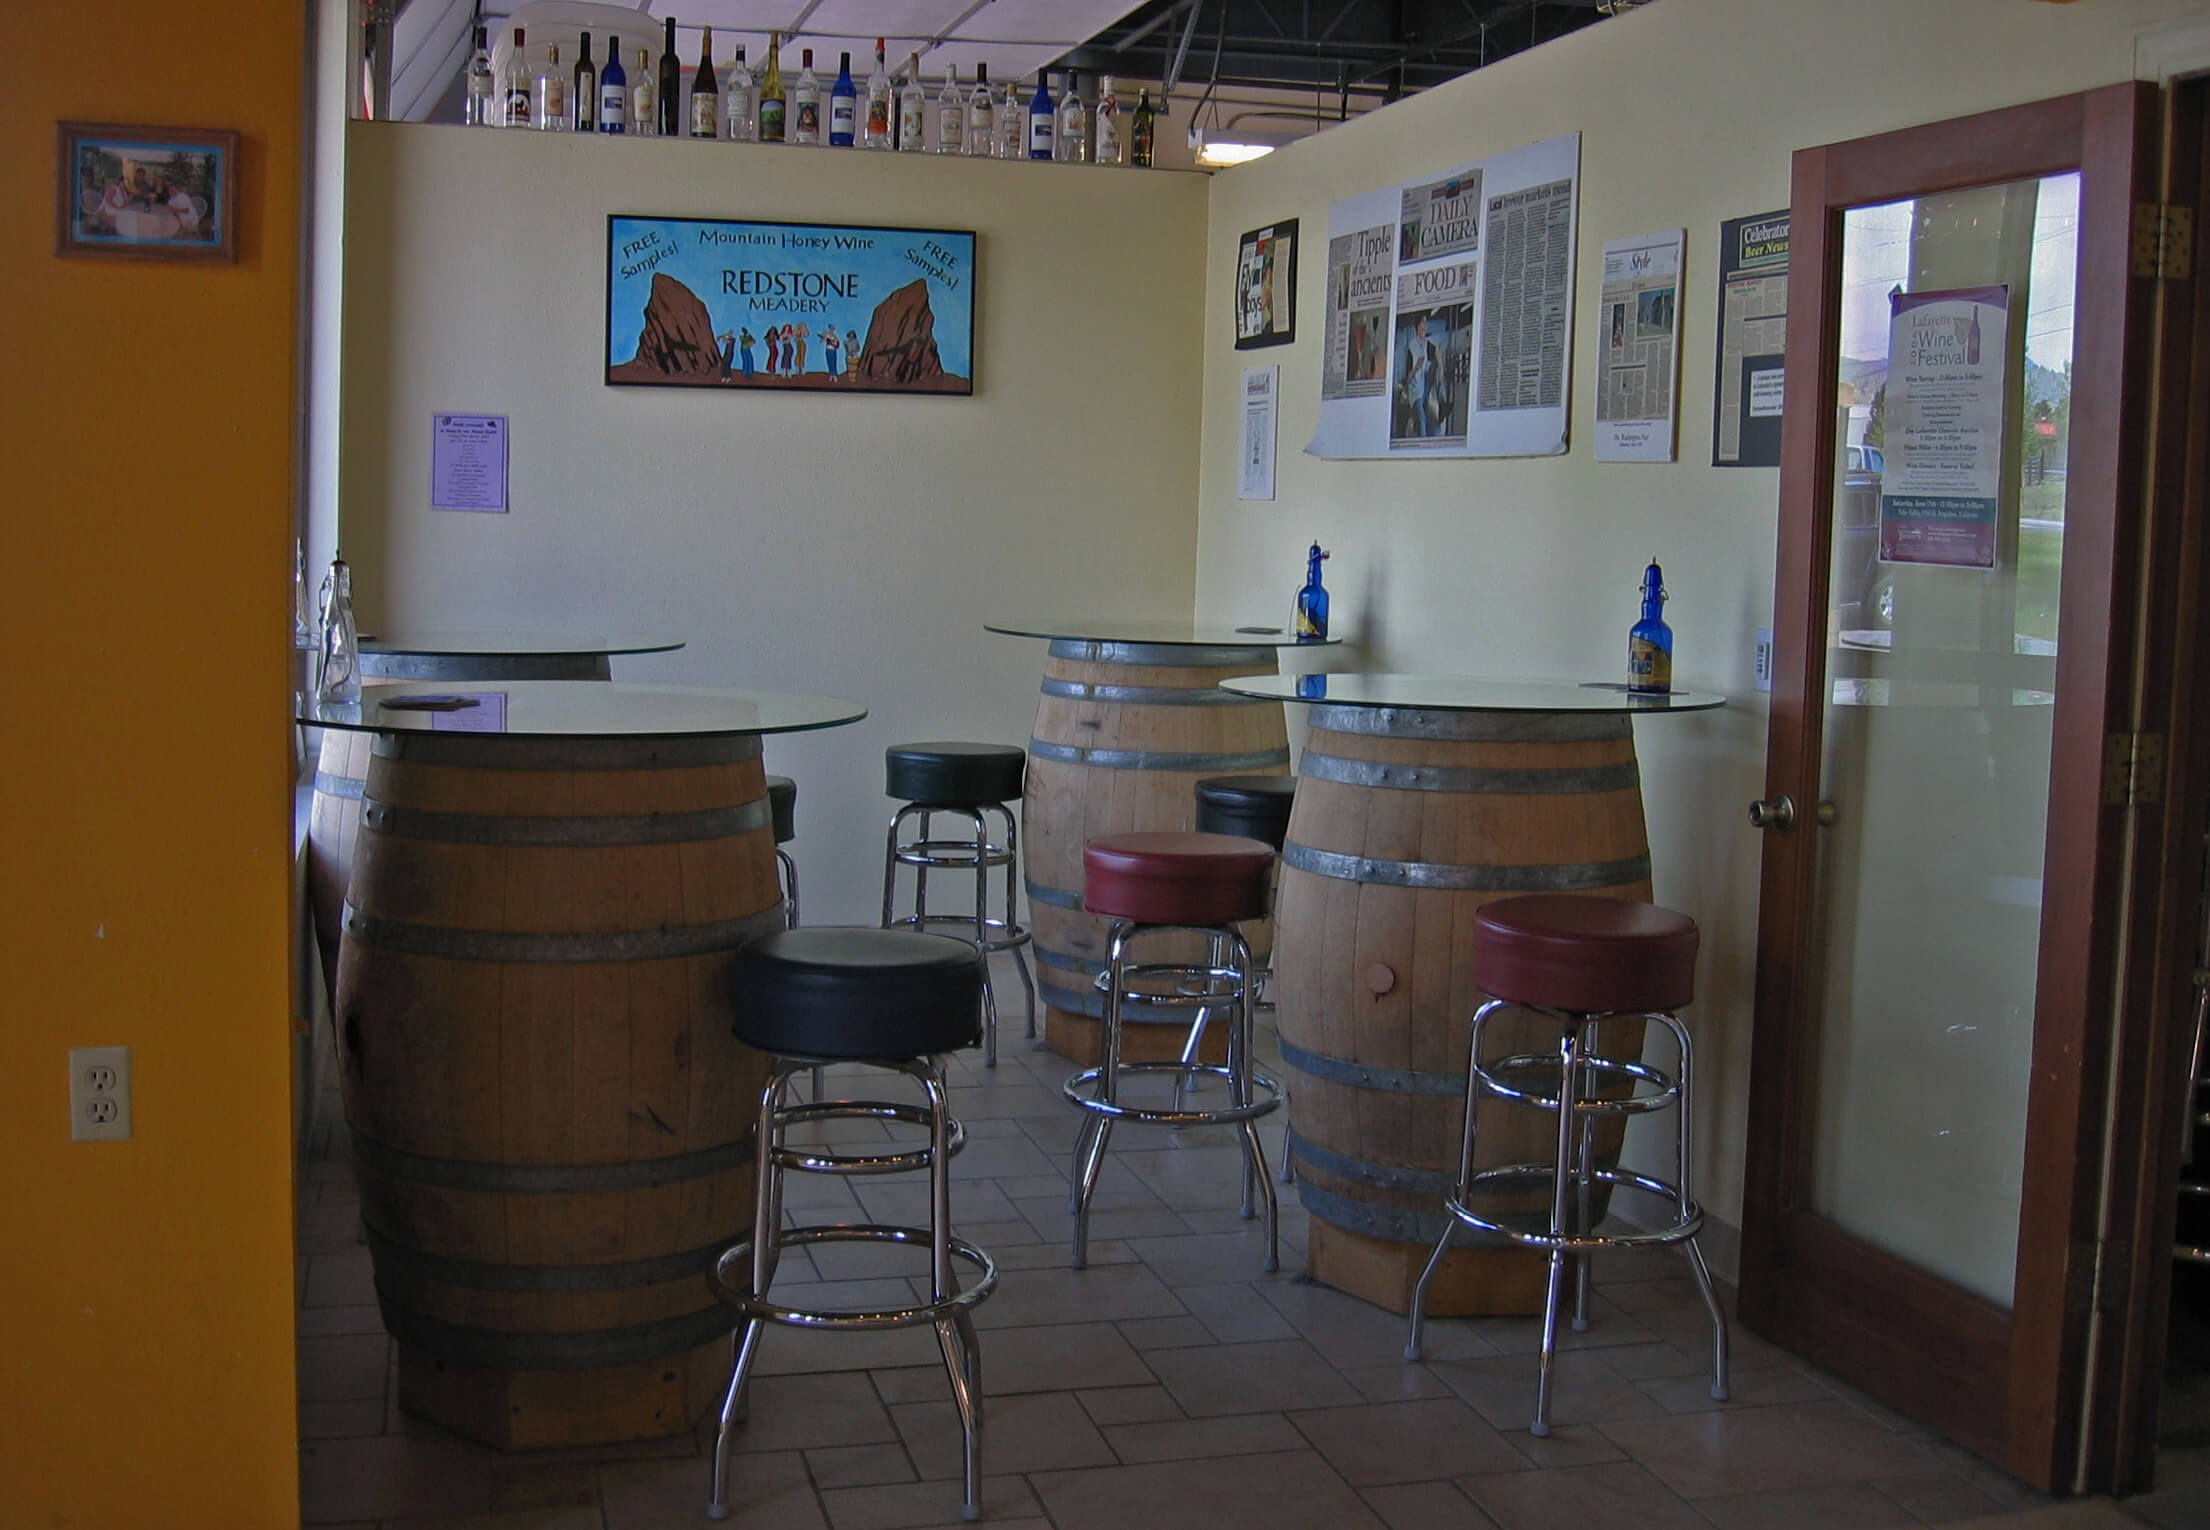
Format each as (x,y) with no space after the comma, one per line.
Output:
(1689,111)
(850,546)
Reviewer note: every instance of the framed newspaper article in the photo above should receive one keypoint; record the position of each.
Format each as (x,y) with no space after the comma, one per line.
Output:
(1266,286)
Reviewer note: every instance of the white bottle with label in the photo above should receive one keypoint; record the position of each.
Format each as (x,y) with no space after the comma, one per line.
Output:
(552,93)
(644,99)
(1112,143)
(951,116)
(913,109)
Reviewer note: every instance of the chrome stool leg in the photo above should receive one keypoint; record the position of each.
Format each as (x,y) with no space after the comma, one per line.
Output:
(1012,922)
(1463,1188)
(1562,1181)
(976,856)
(766,1199)
(1686,1202)
(1241,1068)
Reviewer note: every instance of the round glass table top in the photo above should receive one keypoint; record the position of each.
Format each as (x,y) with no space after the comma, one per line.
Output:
(1464,693)
(1106,629)
(579,709)
(487,642)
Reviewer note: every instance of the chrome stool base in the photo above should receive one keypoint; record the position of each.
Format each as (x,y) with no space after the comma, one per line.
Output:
(977,857)
(1568,1229)
(744,1274)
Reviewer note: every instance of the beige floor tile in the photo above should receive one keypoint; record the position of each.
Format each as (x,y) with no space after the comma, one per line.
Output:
(812,1412)
(1009,1156)
(993,1238)
(1054,1256)
(583,1517)
(2083,1514)
(1565,1445)
(341,1420)
(766,1492)
(1237,1378)
(1128,1405)
(542,1485)
(1048,1214)
(319,1322)
(1754,1388)
(1011,1096)
(791,1351)
(1203,1259)
(1291,1491)
(1837,1506)
(1166,1333)
(1937,1497)
(1351,1332)
(1376,1443)
(344,1279)
(1403,1381)
(903,1200)
(392,1477)
(1040,1431)
(1608,1328)
(328,1229)
(1620,1497)
(343,1368)
(1235,1313)
(1192,1177)
(1186,1439)
(1055,1356)
(1425,1506)
(1101,1293)
(1584,1389)
(1656,1362)
(1765,1449)
(914,1505)
(859,1465)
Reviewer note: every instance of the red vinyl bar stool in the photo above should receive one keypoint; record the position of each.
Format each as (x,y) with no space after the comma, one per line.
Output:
(1580,961)
(1149,885)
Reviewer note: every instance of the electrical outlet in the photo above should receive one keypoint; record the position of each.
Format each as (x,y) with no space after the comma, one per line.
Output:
(1761,659)
(99,1094)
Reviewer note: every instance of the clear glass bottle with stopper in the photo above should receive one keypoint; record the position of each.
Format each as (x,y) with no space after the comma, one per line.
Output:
(338,678)
(1650,641)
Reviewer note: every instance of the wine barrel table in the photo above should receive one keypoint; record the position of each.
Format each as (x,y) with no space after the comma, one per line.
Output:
(1131,718)
(551,1118)
(1419,798)
(341,767)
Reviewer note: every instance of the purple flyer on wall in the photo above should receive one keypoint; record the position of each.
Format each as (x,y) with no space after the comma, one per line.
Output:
(468,463)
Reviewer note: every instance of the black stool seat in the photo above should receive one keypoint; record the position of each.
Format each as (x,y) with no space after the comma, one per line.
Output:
(956,774)
(1249,807)
(858,994)
(782,800)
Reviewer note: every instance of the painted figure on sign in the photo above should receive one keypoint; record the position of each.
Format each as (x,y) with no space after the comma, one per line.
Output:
(745,342)
(851,356)
(774,349)
(799,365)
(830,362)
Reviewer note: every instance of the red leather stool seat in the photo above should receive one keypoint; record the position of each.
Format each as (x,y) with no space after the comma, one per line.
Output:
(1588,955)
(1177,878)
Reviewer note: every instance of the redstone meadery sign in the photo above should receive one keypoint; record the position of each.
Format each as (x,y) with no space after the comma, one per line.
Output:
(715,303)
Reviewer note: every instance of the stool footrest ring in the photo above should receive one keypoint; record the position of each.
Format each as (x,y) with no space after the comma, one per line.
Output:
(1002,937)
(1543,1174)
(821,1161)
(1493,1074)
(732,1279)
(1226,1115)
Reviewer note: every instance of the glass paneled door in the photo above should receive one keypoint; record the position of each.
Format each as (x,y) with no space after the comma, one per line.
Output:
(1924,1155)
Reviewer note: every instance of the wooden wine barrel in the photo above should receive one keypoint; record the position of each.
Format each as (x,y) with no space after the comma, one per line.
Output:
(334,818)
(551,1119)
(1124,732)
(1405,823)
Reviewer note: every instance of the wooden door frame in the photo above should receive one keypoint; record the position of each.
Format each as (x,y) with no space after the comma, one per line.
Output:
(1995,1380)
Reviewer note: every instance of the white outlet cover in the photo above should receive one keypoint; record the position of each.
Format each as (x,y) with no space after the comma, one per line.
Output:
(99,1094)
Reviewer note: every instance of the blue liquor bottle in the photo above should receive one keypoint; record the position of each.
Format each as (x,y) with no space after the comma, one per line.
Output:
(1650,641)
(1312,601)
(614,90)
(843,106)
(1043,120)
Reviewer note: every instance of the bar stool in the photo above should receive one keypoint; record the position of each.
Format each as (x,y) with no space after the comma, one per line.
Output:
(1251,807)
(1150,885)
(892,999)
(1580,961)
(967,780)
(782,801)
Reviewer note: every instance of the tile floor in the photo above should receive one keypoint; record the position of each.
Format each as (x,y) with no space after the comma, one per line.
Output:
(1171,1384)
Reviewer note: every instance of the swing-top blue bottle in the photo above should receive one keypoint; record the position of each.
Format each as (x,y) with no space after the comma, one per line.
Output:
(1650,641)
(1312,601)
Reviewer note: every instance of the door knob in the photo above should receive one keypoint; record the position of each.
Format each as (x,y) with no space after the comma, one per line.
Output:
(1773,813)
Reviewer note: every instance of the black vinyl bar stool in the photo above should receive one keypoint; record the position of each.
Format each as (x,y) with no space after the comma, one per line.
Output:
(891,999)
(965,781)
(782,801)
(1249,807)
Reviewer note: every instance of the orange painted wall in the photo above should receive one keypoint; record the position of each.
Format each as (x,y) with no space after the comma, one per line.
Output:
(146,415)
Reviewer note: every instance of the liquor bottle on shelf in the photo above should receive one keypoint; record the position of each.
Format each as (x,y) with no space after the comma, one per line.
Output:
(551,95)
(1650,641)
(519,87)
(1142,132)
(644,99)
(705,92)
(583,95)
(671,85)
(805,100)
(339,680)
(483,92)
(1074,124)
(1041,119)
(773,107)
(913,109)
(881,111)
(1312,601)
(613,90)
(1012,137)
(982,116)
(951,116)
(843,105)
(1112,144)
(737,120)
(303,625)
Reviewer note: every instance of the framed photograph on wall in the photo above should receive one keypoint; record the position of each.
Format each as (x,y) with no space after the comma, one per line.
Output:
(1266,286)
(808,307)
(148,192)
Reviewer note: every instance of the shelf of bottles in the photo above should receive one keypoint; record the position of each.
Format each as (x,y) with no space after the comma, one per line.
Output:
(731,103)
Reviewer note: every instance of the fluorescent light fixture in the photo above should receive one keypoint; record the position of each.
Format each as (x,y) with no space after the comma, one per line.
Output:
(1217,148)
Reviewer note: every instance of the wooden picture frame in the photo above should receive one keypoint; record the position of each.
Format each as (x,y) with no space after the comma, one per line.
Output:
(145,193)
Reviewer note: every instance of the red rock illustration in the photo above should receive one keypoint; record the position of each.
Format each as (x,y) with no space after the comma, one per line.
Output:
(901,341)
(678,338)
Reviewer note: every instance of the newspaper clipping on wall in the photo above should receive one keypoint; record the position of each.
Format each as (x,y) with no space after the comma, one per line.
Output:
(1449,311)
(1753,341)
(1638,348)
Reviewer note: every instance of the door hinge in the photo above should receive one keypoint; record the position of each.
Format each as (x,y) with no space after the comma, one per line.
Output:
(2163,241)
(2098,1277)
(2133,770)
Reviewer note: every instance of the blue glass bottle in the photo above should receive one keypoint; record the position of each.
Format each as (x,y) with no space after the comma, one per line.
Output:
(1043,120)
(843,106)
(614,90)
(1312,601)
(1650,641)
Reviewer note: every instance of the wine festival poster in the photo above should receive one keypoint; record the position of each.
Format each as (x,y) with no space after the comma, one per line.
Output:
(717,303)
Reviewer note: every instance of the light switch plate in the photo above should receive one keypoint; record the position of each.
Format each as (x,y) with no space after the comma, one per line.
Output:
(99,1094)
(1761,661)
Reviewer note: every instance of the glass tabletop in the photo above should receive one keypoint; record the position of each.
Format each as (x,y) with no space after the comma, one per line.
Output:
(1106,629)
(493,641)
(580,709)
(1465,693)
